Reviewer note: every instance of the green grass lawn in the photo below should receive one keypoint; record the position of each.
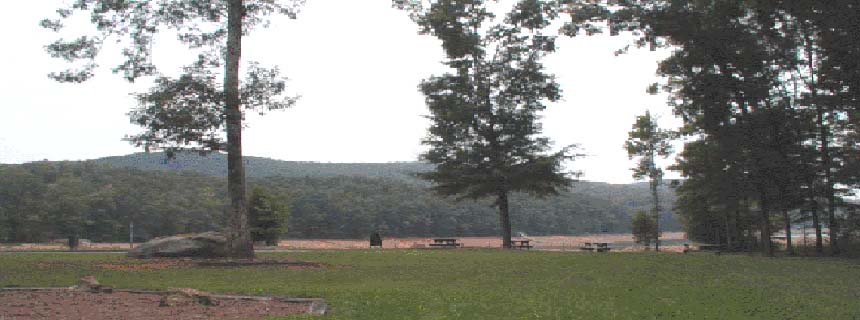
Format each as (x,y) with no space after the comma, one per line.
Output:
(494,284)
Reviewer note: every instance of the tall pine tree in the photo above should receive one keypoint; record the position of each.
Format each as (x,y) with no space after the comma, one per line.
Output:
(485,136)
(648,142)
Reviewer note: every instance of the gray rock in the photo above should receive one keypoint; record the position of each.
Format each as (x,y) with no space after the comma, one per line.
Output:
(90,284)
(186,296)
(318,308)
(204,245)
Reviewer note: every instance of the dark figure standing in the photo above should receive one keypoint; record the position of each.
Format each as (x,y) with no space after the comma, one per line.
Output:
(375,240)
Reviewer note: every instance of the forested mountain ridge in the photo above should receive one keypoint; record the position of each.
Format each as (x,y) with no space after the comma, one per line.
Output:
(629,196)
(99,198)
(215,164)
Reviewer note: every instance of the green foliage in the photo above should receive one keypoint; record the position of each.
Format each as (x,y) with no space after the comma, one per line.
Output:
(215,164)
(494,284)
(648,142)
(354,207)
(771,97)
(190,112)
(21,208)
(767,91)
(187,112)
(68,205)
(325,201)
(202,25)
(484,135)
(172,126)
(44,200)
(644,228)
(268,215)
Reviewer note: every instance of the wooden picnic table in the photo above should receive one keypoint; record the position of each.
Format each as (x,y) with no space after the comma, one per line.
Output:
(602,247)
(522,244)
(596,246)
(445,243)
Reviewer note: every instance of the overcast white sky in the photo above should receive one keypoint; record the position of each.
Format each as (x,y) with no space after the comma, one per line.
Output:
(356,64)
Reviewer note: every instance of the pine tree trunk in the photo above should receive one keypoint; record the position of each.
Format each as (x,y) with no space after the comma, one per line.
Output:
(728,230)
(505,219)
(831,216)
(741,239)
(825,150)
(765,226)
(828,180)
(788,246)
(816,222)
(656,198)
(239,236)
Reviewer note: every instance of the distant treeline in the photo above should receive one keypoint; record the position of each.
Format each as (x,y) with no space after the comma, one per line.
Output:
(47,200)
(215,164)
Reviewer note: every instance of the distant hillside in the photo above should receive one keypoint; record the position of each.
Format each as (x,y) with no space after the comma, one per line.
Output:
(99,198)
(215,164)
(634,196)
(630,196)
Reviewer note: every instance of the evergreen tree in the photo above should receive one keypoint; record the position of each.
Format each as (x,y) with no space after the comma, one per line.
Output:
(648,142)
(268,214)
(714,198)
(644,228)
(484,137)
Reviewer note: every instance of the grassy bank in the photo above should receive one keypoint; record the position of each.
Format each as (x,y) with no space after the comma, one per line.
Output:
(493,284)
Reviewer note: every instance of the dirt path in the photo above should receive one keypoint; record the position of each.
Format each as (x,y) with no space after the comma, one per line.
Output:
(69,304)
(539,242)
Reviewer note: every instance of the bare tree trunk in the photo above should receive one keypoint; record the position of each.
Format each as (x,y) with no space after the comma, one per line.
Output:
(788,246)
(505,219)
(654,184)
(239,235)
(831,216)
(728,230)
(827,161)
(828,179)
(823,140)
(742,238)
(765,226)
(816,223)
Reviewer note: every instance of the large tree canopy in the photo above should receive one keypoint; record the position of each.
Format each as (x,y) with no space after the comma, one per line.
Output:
(767,91)
(189,111)
(485,135)
(202,25)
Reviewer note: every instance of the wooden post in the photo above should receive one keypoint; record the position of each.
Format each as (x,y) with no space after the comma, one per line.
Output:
(131,234)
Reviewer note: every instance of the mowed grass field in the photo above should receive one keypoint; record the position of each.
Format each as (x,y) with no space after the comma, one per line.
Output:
(496,284)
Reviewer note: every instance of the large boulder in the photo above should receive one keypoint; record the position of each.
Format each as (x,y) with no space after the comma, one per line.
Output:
(203,245)
(186,296)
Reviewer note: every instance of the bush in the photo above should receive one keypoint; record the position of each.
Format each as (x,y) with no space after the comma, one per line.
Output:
(644,228)
(268,216)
